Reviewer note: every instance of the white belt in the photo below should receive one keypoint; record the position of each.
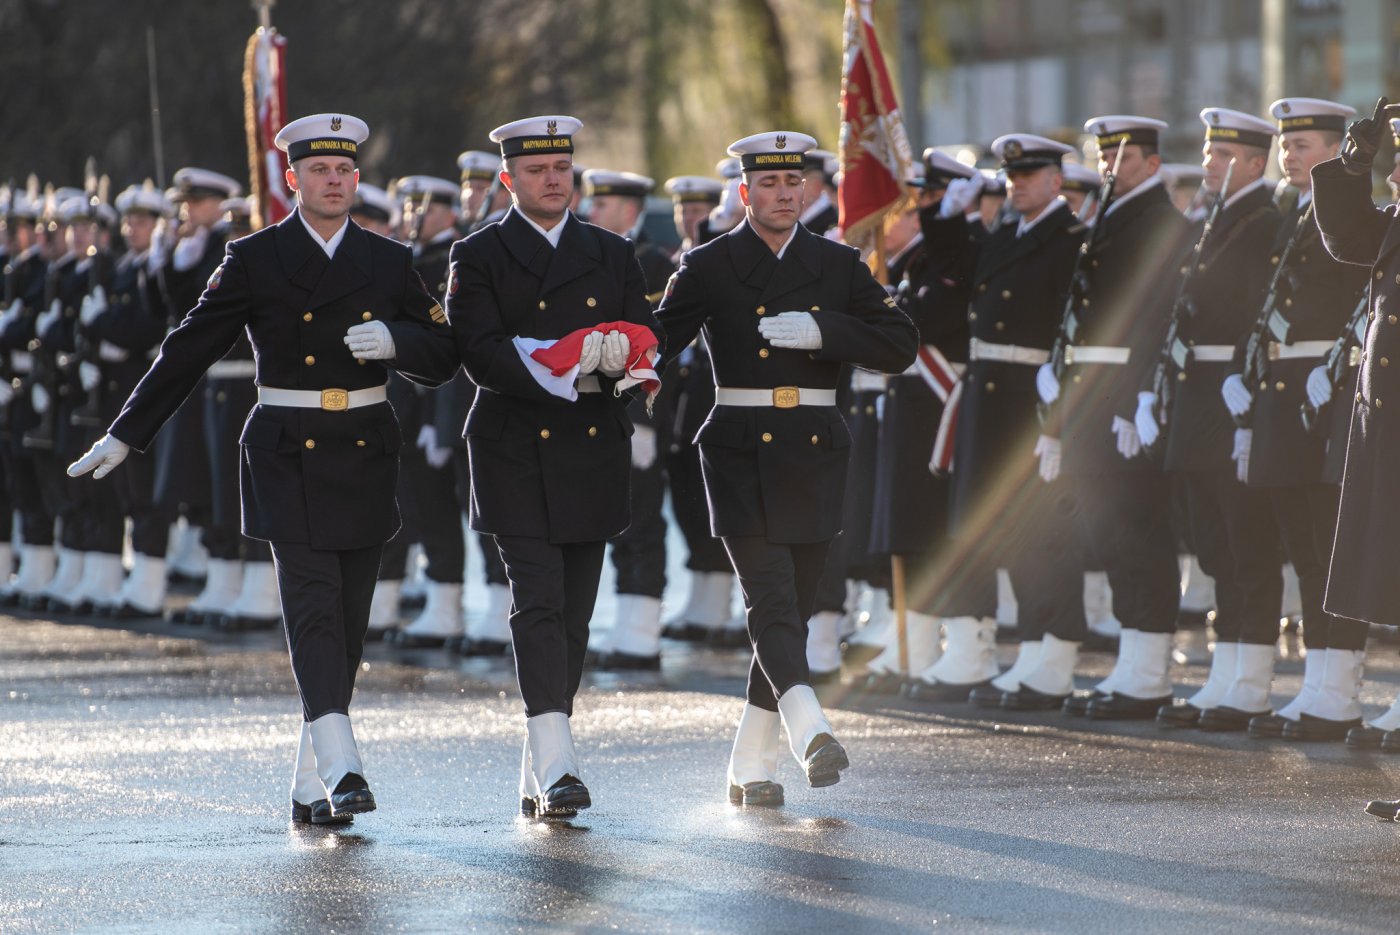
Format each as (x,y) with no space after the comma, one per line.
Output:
(1299,349)
(780,397)
(21,361)
(230,369)
(865,381)
(1007,353)
(588,383)
(1087,354)
(332,400)
(1213,353)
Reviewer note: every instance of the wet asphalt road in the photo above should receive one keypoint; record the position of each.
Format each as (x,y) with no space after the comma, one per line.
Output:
(143,778)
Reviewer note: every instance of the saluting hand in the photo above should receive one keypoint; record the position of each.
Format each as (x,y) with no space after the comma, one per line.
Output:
(104,456)
(1364,138)
(370,341)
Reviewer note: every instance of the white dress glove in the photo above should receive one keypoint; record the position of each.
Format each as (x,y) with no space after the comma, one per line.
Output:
(797,330)
(7,392)
(94,304)
(1047,449)
(105,455)
(613,353)
(643,447)
(959,197)
(12,313)
(89,375)
(1244,439)
(1236,395)
(1129,444)
(592,353)
(1046,385)
(1319,387)
(46,319)
(1145,419)
(39,397)
(370,341)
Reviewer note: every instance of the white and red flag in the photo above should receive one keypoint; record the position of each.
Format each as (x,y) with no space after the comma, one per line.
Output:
(875,155)
(265,113)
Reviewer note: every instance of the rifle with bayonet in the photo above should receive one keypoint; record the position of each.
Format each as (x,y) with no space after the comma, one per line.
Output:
(1343,356)
(1078,282)
(1271,323)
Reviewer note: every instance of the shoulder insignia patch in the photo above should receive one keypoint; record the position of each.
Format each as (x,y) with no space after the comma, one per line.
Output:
(216,278)
(889,300)
(670,286)
(437,314)
(452,283)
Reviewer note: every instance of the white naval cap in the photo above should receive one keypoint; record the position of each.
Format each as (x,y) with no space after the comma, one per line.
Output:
(1310,113)
(1182,173)
(438,191)
(941,168)
(1028,151)
(322,135)
(694,188)
(1079,178)
(202,183)
(1112,129)
(606,182)
(75,208)
(776,149)
(1235,126)
(372,201)
(238,207)
(24,205)
(536,136)
(478,164)
(729,168)
(146,198)
(818,159)
(993,182)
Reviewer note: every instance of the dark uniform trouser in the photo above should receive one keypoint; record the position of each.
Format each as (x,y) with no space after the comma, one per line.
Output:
(135,486)
(639,553)
(1126,517)
(1233,531)
(1046,567)
(1307,522)
(692,511)
(780,588)
(325,609)
(553,589)
(22,481)
(439,517)
(182,484)
(490,555)
(226,405)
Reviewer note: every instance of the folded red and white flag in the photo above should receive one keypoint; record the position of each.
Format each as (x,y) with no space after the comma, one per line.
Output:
(555,363)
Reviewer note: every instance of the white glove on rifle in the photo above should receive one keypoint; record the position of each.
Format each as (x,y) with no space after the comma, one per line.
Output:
(1048,450)
(1319,387)
(1145,419)
(370,341)
(592,353)
(46,319)
(959,197)
(1236,395)
(104,456)
(1129,444)
(7,392)
(797,330)
(643,447)
(613,353)
(89,375)
(12,313)
(39,398)
(1046,385)
(436,457)
(94,304)
(1244,439)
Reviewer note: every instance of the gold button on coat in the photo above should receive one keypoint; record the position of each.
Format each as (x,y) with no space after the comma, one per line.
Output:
(366,315)
(816,308)
(544,433)
(1385,361)
(760,310)
(1378,402)
(1279,386)
(768,436)
(1006,293)
(359,443)
(541,304)
(592,431)
(311,443)
(814,439)
(592,302)
(306,317)
(310,360)
(763,352)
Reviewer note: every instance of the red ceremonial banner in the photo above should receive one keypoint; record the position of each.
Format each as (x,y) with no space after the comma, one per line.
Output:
(265,113)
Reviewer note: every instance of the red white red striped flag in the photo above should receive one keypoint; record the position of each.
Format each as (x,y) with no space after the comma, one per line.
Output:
(265,113)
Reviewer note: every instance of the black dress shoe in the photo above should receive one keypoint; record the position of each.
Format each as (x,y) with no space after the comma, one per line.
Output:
(761,793)
(1390,743)
(1318,729)
(564,799)
(412,641)
(1179,715)
(318,813)
(730,639)
(413,601)
(527,807)
(685,632)
(884,683)
(1365,738)
(1077,704)
(824,761)
(832,677)
(132,612)
(1386,811)
(472,647)
(244,624)
(1026,698)
(1118,707)
(626,662)
(1224,719)
(921,690)
(985,696)
(1267,725)
(352,796)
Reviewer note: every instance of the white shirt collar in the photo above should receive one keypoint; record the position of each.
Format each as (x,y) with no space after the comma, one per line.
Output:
(815,208)
(1304,199)
(326,245)
(1153,182)
(1251,187)
(554,233)
(1023,225)
(783,248)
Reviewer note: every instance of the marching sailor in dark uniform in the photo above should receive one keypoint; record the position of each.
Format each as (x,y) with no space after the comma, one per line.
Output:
(550,454)
(782,309)
(328,308)
(1312,300)
(1231,526)
(1120,492)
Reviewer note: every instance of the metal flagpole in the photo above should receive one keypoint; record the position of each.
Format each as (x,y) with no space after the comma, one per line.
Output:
(897,587)
(158,146)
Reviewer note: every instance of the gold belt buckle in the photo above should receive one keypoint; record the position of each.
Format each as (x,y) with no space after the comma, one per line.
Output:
(335,400)
(786,397)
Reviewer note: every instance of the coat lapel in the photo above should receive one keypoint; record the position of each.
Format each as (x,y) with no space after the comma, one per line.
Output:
(524,243)
(578,253)
(348,270)
(1392,241)
(753,261)
(1006,248)
(303,261)
(800,264)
